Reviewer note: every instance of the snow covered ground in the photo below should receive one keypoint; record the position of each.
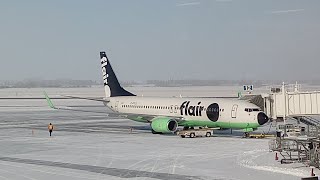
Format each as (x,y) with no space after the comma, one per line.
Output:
(93,146)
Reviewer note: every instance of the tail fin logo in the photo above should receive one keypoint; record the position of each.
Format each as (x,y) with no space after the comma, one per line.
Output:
(104,63)
(111,84)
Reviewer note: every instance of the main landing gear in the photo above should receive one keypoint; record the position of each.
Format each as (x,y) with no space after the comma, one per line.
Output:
(246,134)
(155,132)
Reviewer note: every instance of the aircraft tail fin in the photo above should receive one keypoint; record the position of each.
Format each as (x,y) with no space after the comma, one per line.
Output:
(112,86)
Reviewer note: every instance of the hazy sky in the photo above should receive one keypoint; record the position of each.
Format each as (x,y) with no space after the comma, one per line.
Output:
(160,39)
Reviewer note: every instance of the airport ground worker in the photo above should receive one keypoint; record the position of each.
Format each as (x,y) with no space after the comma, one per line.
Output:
(50,128)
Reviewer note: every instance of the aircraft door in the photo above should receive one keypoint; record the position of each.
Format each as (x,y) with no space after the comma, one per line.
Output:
(175,108)
(234,111)
(116,106)
(171,109)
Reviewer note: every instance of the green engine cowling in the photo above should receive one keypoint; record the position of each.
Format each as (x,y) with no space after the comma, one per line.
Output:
(163,125)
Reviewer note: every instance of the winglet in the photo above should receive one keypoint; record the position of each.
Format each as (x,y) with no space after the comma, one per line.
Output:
(50,104)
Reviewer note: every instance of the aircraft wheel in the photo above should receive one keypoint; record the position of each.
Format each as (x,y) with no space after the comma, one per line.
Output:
(192,135)
(208,134)
(154,132)
(246,134)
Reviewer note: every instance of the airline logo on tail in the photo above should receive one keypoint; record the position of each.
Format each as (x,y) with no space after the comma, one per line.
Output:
(111,84)
(104,63)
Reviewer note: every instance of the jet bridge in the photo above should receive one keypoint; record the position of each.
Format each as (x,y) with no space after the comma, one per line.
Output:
(281,103)
(288,102)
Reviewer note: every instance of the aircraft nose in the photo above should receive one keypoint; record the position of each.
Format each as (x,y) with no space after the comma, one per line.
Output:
(262,118)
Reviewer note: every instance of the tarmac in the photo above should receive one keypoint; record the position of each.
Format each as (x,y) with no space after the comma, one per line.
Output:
(91,145)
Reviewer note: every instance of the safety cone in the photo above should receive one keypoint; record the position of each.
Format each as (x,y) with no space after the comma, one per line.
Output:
(312,173)
(276,158)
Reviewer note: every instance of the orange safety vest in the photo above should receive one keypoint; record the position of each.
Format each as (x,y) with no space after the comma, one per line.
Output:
(50,127)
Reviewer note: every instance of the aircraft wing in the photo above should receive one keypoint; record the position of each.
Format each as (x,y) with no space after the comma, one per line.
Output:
(148,118)
(51,105)
(138,117)
(91,99)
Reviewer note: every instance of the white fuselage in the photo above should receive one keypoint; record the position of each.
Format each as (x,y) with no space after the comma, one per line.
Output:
(226,110)
(165,113)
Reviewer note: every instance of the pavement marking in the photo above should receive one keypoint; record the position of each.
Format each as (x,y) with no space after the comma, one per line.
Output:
(117,172)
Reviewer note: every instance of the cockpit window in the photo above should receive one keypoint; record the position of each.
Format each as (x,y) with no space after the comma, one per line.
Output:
(251,109)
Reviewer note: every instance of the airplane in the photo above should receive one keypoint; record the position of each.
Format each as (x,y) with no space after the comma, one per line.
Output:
(165,114)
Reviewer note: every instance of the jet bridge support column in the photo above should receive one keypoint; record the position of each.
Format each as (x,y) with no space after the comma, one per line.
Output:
(285,108)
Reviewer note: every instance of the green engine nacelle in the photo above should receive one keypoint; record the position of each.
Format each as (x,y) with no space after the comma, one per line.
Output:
(163,125)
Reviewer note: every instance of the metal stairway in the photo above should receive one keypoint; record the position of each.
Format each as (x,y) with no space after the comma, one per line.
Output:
(309,120)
